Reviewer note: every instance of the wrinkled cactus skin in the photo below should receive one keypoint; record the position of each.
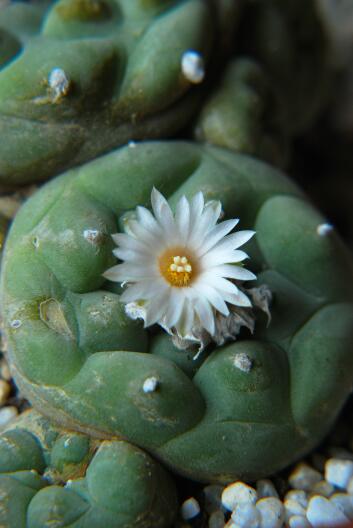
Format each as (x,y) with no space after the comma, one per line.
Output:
(48,474)
(78,358)
(122,63)
(288,38)
(242,114)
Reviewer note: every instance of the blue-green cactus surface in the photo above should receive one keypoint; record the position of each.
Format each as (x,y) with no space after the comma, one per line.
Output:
(51,477)
(79,359)
(243,114)
(80,77)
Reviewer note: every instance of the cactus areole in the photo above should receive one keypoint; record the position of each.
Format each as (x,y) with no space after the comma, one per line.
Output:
(242,409)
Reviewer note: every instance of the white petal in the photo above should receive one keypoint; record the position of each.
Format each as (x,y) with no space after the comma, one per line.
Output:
(163,213)
(131,255)
(196,208)
(206,222)
(234,241)
(218,282)
(143,290)
(145,236)
(128,242)
(204,311)
(238,299)
(182,219)
(148,220)
(217,233)
(234,272)
(215,258)
(212,295)
(197,205)
(130,272)
(157,308)
(176,304)
(186,321)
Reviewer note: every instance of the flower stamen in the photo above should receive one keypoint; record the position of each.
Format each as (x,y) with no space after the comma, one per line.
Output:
(176,269)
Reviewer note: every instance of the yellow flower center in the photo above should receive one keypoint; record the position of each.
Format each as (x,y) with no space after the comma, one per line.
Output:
(176,268)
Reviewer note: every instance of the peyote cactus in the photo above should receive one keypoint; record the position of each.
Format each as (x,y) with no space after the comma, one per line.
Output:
(80,77)
(288,38)
(243,114)
(79,358)
(49,475)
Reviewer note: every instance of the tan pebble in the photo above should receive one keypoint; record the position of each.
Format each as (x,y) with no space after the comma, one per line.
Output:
(5,389)
(5,371)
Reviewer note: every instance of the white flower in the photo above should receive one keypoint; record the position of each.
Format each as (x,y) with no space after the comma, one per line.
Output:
(181,271)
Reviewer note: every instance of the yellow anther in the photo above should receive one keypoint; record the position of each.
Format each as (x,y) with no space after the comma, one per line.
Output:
(176,269)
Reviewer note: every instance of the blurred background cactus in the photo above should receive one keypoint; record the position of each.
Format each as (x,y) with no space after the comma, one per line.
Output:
(79,78)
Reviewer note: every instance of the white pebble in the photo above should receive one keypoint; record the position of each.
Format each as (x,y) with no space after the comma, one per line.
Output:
(298,521)
(7,414)
(265,488)
(213,495)
(15,323)
(323,488)
(272,512)
(236,494)
(339,472)
(216,520)
(246,516)
(193,67)
(150,384)
(190,509)
(322,513)
(304,477)
(293,507)
(324,229)
(242,362)
(298,496)
(344,502)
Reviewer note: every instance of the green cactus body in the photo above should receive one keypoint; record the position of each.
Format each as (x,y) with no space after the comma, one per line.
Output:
(73,480)
(78,358)
(80,77)
(243,115)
